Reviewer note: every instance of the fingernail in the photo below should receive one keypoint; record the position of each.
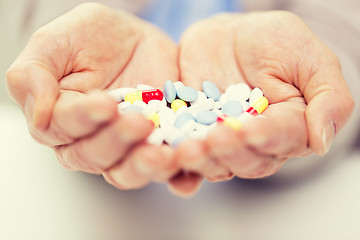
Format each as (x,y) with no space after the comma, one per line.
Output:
(328,136)
(29,107)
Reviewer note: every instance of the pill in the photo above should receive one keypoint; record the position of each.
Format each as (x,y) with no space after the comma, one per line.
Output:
(240,92)
(201,97)
(156,137)
(178,85)
(223,99)
(167,117)
(181,110)
(153,106)
(143,87)
(206,117)
(258,107)
(211,90)
(187,94)
(182,119)
(119,93)
(155,119)
(169,91)
(172,135)
(145,96)
(140,104)
(198,135)
(217,105)
(255,94)
(121,106)
(232,108)
(244,90)
(132,108)
(202,106)
(177,103)
(230,122)
(188,127)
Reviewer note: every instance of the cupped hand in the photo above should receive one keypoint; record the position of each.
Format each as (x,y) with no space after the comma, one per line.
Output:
(60,81)
(275,51)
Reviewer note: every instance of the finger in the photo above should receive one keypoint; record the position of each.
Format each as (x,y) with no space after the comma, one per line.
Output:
(330,105)
(144,164)
(230,149)
(158,163)
(34,87)
(193,156)
(208,42)
(185,184)
(108,146)
(281,133)
(76,115)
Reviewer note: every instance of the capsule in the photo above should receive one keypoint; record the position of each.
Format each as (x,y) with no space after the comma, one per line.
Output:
(230,122)
(258,106)
(145,96)
(155,119)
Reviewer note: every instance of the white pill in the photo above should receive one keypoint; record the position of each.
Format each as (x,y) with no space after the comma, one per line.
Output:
(181,110)
(167,117)
(239,92)
(223,99)
(255,94)
(189,126)
(208,104)
(121,106)
(198,135)
(156,137)
(244,90)
(201,127)
(143,87)
(217,111)
(154,105)
(201,97)
(171,134)
(140,104)
(120,93)
(217,105)
(245,116)
(178,85)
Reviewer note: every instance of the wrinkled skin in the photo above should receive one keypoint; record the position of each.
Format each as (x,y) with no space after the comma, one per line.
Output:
(61,78)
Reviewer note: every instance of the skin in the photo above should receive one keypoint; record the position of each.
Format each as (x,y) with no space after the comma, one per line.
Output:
(61,78)
(275,51)
(60,81)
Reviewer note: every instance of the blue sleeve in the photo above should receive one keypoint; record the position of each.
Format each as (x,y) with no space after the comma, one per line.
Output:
(174,16)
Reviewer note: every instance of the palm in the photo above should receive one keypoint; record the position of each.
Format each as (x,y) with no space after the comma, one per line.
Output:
(273,51)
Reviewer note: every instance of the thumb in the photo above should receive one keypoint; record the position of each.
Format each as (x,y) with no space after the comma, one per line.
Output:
(35,89)
(330,105)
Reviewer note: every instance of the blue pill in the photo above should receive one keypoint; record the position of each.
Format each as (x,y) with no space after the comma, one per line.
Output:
(206,117)
(232,108)
(211,90)
(169,91)
(188,94)
(182,119)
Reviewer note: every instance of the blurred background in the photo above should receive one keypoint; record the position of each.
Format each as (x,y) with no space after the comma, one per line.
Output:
(310,198)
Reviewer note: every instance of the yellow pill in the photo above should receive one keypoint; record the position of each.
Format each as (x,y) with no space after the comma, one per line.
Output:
(232,123)
(132,97)
(177,103)
(155,119)
(260,105)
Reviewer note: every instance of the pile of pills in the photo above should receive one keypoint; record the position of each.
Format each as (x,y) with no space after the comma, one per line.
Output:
(180,112)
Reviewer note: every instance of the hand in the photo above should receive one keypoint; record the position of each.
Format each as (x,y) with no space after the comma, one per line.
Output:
(275,51)
(60,80)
